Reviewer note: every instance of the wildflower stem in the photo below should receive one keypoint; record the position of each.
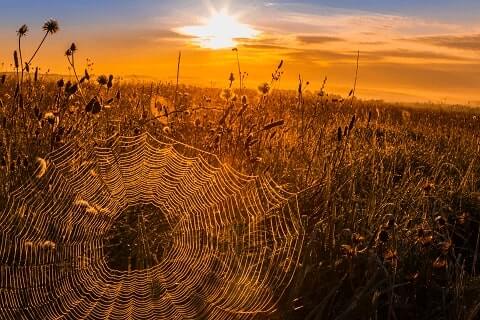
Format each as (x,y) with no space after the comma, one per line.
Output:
(239,72)
(176,86)
(21,59)
(72,63)
(355,82)
(38,48)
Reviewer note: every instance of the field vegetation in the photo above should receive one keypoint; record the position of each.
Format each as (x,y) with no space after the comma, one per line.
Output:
(389,194)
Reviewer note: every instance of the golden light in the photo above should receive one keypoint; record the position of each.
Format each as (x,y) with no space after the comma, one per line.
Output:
(219,31)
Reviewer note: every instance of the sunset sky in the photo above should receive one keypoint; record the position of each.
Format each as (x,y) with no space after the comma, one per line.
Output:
(410,50)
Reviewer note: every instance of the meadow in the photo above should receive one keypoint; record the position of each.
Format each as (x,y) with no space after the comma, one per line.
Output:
(389,194)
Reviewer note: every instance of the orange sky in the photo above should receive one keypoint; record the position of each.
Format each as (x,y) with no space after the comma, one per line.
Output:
(403,57)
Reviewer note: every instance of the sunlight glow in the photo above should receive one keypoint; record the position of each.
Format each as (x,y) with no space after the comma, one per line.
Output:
(219,31)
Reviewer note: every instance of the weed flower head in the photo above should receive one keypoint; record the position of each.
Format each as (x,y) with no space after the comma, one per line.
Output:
(22,31)
(51,26)
(264,88)
(227,94)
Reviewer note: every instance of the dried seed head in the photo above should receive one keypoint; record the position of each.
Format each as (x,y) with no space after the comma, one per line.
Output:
(227,94)
(51,26)
(352,123)
(22,31)
(71,90)
(110,81)
(244,100)
(93,106)
(68,85)
(15,59)
(264,88)
(102,80)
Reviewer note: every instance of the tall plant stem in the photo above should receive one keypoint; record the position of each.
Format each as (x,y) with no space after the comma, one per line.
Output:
(355,82)
(38,48)
(176,86)
(239,72)
(21,59)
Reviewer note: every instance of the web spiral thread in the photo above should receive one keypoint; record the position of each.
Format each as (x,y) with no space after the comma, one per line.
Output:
(234,240)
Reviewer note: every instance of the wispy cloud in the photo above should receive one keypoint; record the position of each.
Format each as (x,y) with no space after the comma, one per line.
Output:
(317,39)
(462,42)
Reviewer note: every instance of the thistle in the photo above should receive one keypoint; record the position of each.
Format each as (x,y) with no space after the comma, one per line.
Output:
(102,80)
(22,31)
(50,26)
(231,79)
(227,94)
(264,88)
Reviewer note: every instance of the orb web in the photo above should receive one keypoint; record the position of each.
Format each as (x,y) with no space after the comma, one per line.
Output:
(145,227)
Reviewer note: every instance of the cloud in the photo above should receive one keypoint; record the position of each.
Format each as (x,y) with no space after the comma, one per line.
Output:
(269,42)
(369,57)
(141,38)
(265,47)
(320,56)
(165,34)
(413,54)
(463,42)
(317,39)
(361,25)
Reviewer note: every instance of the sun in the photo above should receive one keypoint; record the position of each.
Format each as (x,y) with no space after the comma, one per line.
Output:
(219,31)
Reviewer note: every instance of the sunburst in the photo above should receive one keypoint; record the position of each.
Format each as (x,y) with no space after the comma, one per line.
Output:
(219,31)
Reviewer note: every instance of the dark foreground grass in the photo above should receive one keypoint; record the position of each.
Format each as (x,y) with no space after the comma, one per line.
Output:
(390,195)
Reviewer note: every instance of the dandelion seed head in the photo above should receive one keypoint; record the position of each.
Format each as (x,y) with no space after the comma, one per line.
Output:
(22,31)
(51,26)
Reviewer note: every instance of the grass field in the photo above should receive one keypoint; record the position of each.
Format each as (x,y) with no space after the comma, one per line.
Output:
(390,195)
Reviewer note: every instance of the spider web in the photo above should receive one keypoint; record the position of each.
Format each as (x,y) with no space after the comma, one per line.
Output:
(209,242)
